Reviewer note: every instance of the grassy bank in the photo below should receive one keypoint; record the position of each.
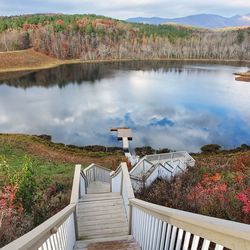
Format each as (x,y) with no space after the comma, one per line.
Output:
(15,146)
(53,161)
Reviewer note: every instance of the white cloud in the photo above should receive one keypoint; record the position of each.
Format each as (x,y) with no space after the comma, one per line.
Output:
(123,9)
(246,18)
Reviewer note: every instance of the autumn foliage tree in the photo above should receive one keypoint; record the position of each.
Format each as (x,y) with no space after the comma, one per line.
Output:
(91,37)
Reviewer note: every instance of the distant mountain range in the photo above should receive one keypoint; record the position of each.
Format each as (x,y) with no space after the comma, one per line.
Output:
(203,20)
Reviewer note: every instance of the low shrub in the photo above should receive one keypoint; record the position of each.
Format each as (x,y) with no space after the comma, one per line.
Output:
(26,201)
(210,148)
(217,186)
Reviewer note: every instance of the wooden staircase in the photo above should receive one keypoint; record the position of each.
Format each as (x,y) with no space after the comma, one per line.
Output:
(97,219)
(102,222)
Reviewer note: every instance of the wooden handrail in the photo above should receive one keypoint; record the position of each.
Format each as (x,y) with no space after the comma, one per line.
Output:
(42,232)
(95,165)
(75,186)
(230,234)
(116,172)
(124,169)
(127,180)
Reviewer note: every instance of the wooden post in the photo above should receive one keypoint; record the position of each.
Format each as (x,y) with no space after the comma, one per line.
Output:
(121,183)
(130,219)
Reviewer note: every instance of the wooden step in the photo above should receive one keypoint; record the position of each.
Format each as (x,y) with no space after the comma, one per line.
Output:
(98,187)
(107,216)
(98,233)
(100,211)
(99,197)
(103,203)
(103,221)
(112,243)
(111,224)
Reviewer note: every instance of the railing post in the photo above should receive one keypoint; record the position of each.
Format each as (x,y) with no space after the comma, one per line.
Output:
(130,218)
(121,182)
(75,223)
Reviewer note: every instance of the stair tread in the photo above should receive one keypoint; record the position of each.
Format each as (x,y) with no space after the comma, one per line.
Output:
(112,243)
(104,235)
(95,226)
(99,197)
(101,221)
(95,232)
(125,237)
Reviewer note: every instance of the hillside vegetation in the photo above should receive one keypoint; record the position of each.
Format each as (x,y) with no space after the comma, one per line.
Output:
(91,37)
(36,179)
(218,186)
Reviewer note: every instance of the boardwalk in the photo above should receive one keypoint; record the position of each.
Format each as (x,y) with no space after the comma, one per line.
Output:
(102,221)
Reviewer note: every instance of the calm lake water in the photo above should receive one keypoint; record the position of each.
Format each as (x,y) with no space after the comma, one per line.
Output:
(180,106)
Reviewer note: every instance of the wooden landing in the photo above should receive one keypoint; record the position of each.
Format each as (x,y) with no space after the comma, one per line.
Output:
(114,243)
(98,187)
(101,216)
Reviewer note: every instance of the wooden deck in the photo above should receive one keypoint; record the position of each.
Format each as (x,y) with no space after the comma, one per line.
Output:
(98,187)
(102,221)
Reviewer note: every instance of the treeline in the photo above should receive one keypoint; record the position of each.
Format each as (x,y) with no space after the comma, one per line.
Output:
(91,37)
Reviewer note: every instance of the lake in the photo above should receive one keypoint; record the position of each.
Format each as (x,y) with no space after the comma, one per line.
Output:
(176,105)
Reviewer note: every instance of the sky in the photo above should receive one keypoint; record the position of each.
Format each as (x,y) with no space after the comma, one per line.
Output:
(122,9)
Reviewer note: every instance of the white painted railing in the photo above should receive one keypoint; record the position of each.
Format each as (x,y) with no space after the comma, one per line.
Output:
(97,173)
(120,182)
(164,166)
(58,232)
(182,155)
(158,227)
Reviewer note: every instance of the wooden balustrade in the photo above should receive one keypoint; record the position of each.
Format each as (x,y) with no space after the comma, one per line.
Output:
(120,182)
(158,227)
(97,173)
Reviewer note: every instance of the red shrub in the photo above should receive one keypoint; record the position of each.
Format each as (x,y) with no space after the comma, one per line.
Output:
(244,197)
(13,222)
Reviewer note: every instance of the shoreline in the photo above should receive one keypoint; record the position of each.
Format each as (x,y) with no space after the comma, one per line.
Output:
(243,77)
(141,150)
(50,62)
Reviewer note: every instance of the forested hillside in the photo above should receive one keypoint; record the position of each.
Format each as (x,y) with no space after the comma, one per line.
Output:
(91,37)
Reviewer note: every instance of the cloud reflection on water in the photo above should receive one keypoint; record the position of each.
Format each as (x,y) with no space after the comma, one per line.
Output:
(179,106)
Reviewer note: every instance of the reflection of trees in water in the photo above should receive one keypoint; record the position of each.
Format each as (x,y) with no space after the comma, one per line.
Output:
(60,76)
(91,72)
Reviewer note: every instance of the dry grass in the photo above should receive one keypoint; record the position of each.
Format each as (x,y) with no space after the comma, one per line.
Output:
(25,60)
(59,153)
